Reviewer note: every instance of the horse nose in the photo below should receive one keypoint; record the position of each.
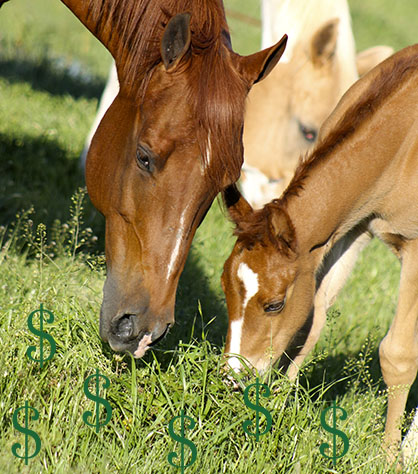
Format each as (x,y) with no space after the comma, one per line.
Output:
(124,327)
(133,333)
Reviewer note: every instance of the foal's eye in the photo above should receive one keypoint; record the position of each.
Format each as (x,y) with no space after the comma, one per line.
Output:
(274,307)
(143,159)
(309,134)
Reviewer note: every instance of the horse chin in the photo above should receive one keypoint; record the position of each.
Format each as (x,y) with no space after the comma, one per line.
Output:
(147,341)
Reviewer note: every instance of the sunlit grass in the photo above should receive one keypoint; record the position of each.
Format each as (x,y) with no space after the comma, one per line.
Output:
(51,73)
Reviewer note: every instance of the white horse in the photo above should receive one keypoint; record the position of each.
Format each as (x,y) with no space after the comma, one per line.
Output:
(285,112)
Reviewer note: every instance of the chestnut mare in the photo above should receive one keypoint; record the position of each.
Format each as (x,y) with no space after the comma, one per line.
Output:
(360,180)
(170,141)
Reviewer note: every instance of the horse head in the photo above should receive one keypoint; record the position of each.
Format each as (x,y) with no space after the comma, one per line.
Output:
(286,111)
(170,141)
(268,289)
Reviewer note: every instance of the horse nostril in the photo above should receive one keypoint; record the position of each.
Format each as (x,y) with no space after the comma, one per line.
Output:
(124,326)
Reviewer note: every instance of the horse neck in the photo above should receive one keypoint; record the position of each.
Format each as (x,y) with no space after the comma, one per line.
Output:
(349,184)
(91,17)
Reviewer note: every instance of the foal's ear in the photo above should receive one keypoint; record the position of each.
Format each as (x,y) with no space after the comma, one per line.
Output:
(237,207)
(324,43)
(257,66)
(282,228)
(176,40)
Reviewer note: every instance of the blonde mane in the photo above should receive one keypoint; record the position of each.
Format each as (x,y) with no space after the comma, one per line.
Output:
(300,20)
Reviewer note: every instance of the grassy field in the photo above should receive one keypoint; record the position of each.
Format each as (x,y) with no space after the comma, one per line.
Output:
(52,72)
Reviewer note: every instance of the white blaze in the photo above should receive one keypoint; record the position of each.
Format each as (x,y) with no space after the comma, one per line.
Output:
(250,281)
(235,343)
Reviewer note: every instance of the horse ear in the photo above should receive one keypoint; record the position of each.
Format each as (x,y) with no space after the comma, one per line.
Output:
(176,40)
(324,43)
(238,208)
(371,57)
(282,228)
(257,66)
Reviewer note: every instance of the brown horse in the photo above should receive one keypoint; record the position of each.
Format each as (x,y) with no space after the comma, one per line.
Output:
(171,140)
(361,179)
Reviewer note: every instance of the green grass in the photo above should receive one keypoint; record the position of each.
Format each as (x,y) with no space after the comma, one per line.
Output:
(51,75)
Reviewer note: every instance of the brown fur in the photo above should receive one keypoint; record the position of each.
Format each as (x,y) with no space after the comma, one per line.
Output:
(285,112)
(257,227)
(168,143)
(213,93)
(390,77)
(360,181)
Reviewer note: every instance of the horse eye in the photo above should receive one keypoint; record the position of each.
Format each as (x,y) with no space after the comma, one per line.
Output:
(309,134)
(143,159)
(274,307)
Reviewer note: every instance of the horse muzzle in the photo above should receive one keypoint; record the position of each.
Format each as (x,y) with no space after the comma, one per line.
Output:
(134,333)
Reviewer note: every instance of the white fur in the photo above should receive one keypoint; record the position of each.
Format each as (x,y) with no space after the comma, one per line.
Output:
(110,92)
(300,19)
(257,188)
(177,245)
(250,281)
(235,345)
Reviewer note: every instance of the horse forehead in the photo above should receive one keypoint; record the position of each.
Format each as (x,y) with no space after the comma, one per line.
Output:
(318,88)
(265,270)
(166,89)
(249,279)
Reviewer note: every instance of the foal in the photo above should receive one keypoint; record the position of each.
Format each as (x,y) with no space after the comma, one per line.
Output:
(360,180)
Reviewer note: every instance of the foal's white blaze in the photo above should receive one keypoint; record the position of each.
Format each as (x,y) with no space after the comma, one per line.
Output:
(250,281)
(235,345)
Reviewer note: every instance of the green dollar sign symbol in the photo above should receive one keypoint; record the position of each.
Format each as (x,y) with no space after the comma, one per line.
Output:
(27,432)
(42,334)
(335,433)
(181,439)
(258,408)
(98,400)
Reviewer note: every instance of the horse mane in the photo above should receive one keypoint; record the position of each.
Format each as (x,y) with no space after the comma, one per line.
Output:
(393,72)
(255,227)
(215,92)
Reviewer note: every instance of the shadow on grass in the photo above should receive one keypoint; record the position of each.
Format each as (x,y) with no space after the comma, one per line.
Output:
(191,325)
(38,172)
(51,76)
(332,369)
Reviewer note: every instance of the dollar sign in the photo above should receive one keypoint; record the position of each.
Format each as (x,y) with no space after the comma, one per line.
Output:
(98,400)
(335,433)
(27,432)
(181,439)
(42,334)
(246,424)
